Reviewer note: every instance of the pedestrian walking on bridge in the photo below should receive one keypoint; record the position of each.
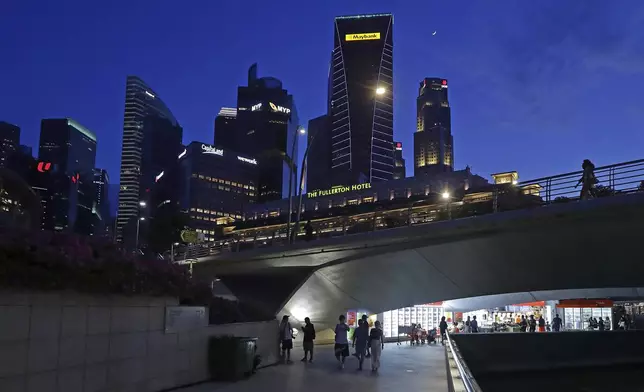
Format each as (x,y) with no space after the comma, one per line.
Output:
(377,340)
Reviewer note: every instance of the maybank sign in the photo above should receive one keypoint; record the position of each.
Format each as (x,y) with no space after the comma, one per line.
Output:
(338,189)
(279,109)
(362,37)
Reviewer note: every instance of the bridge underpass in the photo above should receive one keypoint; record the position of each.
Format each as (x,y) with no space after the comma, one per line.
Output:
(590,244)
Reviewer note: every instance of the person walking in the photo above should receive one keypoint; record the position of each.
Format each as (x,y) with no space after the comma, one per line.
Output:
(443,328)
(474,325)
(467,325)
(377,341)
(556,323)
(308,230)
(532,323)
(523,324)
(365,319)
(600,324)
(286,334)
(542,324)
(587,180)
(360,341)
(607,324)
(341,340)
(307,341)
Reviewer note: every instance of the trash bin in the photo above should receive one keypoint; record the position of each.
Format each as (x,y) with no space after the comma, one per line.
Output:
(231,358)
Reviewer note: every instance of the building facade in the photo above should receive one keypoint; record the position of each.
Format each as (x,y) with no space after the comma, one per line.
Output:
(267,128)
(9,141)
(433,142)
(361,100)
(102,201)
(226,127)
(318,161)
(67,152)
(218,186)
(399,162)
(140,102)
(354,194)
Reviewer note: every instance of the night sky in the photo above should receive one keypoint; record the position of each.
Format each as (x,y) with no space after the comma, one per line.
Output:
(534,86)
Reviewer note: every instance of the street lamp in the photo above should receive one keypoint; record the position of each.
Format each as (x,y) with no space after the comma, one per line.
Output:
(447,197)
(309,142)
(381,90)
(142,204)
(302,131)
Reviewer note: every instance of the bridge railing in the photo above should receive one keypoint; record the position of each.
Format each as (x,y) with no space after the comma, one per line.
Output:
(615,179)
(465,377)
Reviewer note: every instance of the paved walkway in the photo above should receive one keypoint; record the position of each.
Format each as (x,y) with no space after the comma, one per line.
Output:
(403,368)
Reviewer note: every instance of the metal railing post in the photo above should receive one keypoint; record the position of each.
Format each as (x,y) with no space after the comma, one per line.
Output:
(495,200)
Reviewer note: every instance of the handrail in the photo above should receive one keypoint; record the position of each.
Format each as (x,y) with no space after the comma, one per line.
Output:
(469,382)
(579,172)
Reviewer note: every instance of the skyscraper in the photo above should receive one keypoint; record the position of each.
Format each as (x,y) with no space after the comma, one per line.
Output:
(140,102)
(433,142)
(9,141)
(318,169)
(69,149)
(226,127)
(266,129)
(399,162)
(101,197)
(361,99)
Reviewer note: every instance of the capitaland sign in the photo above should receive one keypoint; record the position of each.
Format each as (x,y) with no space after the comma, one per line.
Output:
(279,109)
(362,37)
(338,189)
(247,160)
(206,149)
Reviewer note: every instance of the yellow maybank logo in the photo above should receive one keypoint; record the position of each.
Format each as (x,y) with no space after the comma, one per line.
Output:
(361,36)
(273,106)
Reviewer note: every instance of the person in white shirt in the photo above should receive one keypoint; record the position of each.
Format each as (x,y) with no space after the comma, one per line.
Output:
(341,341)
(286,335)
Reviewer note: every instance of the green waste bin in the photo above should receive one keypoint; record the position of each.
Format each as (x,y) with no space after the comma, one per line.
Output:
(231,358)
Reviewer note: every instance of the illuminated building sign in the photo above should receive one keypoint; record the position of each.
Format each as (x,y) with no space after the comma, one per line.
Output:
(44,166)
(158,177)
(247,160)
(398,146)
(279,109)
(206,149)
(255,108)
(362,37)
(444,83)
(338,189)
(183,154)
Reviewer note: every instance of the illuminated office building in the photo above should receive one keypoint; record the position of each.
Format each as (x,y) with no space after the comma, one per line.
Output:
(433,142)
(9,141)
(360,106)
(266,129)
(399,161)
(68,151)
(226,127)
(217,186)
(141,102)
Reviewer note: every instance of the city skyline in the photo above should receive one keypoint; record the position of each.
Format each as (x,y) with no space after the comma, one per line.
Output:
(515,96)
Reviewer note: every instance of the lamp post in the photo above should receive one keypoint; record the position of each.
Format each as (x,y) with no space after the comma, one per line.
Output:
(300,131)
(447,198)
(140,218)
(309,143)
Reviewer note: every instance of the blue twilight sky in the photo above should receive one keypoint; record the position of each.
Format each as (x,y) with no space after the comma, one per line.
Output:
(535,86)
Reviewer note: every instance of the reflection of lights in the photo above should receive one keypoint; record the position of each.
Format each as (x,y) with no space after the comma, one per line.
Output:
(445,195)
(380,90)
(142,218)
(142,203)
(299,313)
(302,131)
(149,94)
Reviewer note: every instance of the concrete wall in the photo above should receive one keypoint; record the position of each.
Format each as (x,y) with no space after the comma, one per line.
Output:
(74,343)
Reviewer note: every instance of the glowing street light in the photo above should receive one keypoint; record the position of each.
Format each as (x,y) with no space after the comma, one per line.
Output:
(445,195)
(302,131)
(380,90)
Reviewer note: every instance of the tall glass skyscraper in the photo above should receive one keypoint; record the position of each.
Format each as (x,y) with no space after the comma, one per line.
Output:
(433,142)
(140,102)
(361,99)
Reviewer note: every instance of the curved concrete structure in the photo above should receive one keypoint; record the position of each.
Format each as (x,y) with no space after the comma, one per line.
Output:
(568,246)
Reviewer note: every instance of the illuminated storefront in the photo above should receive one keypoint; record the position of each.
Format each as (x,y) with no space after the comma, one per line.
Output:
(428,316)
(576,314)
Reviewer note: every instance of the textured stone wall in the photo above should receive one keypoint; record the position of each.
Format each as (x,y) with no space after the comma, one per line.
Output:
(74,343)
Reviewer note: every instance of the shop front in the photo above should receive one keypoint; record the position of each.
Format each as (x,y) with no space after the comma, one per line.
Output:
(397,322)
(584,314)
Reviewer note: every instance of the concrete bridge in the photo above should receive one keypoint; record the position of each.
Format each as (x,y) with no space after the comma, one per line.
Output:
(536,253)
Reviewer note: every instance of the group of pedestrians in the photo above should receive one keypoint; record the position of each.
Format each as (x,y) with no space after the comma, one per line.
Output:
(368,343)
